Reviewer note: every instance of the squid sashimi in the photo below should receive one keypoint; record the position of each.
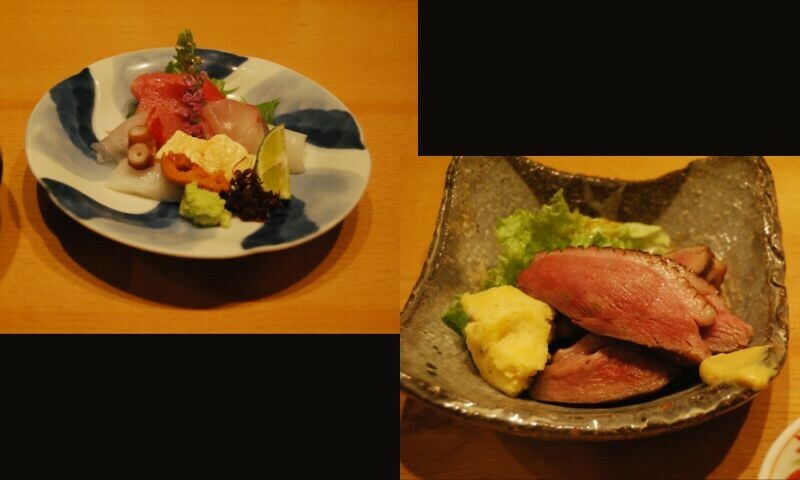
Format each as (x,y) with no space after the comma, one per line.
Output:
(295,144)
(114,147)
(239,121)
(147,183)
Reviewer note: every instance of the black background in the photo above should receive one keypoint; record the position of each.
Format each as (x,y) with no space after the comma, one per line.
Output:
(224,406)
(654,79)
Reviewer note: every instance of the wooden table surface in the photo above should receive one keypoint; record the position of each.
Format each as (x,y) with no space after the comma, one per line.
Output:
(56,276)
(436,445)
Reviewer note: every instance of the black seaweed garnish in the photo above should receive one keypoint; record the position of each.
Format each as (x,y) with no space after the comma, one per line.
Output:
(247,199)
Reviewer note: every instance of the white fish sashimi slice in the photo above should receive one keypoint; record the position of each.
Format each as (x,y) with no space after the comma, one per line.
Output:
(147,183)
(239,121)
(295,145)
(114,147)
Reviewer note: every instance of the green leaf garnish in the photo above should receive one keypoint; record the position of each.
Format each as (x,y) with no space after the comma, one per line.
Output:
(185,59)
(455,317)
(220,84)
(267,110)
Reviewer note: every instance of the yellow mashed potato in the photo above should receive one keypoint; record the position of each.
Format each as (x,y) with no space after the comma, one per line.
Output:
(507,336)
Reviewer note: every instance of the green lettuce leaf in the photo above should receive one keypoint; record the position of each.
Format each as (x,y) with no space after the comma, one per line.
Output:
(455,317)
(554,226)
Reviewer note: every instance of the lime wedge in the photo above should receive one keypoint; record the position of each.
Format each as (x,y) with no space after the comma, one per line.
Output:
(272,164)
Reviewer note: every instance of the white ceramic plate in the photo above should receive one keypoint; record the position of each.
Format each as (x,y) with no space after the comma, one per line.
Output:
(85,107)
(783,458)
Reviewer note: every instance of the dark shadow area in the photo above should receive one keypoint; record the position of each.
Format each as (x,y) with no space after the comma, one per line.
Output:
(435,444)
(9,229)
(691,453)
(187,283)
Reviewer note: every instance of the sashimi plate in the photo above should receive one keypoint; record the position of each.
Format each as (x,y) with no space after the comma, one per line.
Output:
(83,108)
(727,203)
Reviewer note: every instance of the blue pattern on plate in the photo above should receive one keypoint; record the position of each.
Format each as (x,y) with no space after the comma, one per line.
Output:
(308,108)
(162,216)
(284,226)
(295,92)
(74,99)
(325,128)
(218,64)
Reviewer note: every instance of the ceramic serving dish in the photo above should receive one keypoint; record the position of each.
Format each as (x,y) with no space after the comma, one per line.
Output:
(84,107)
(727,203)
(783,458)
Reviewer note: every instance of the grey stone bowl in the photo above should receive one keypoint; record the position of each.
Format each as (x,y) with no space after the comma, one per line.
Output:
(727,203)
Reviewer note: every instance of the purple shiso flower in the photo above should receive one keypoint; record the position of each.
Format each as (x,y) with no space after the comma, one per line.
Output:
(194,102)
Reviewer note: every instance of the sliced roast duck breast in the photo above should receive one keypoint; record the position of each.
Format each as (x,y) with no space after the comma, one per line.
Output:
(599,370)
(624,294)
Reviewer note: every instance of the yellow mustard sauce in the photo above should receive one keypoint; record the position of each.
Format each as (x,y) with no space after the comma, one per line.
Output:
(747,368)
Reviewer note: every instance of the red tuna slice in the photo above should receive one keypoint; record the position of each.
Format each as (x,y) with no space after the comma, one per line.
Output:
(161,89)
(162,95)
(600,370)
(728,332)
(239,121)
(163,123)
(624,294)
